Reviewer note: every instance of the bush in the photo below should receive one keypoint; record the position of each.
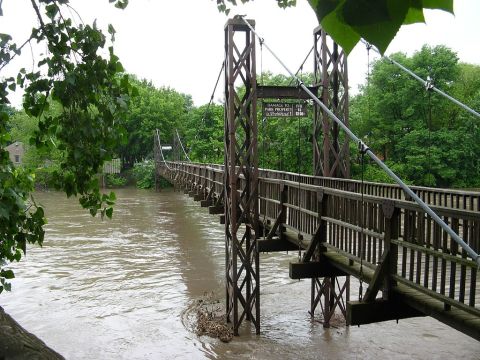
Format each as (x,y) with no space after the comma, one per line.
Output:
(115,180)
(144,174)
(44,176)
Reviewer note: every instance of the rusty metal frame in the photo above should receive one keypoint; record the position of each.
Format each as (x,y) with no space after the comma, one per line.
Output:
(330,294)
(331,155)
(241,176)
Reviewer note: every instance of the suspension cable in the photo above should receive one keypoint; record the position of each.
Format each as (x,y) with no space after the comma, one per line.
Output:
(183,148)
(369,152)
(426,83)
(301,66)
(161,151)
(211,97)
(214,90)
(299,164)
(362,149)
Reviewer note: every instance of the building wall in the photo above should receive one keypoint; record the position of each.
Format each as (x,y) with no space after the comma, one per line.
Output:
(16,152)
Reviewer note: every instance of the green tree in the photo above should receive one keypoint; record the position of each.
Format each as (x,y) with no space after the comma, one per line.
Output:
(427,139)
(154,108)
(44,163)
(203,131)
(92,97)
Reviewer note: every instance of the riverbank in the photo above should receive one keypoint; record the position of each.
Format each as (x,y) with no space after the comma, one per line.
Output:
(18,343)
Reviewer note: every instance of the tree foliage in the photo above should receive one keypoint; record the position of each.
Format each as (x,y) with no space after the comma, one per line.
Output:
(203,134)
(154,108)
(429,140)
(376,21)
(92,95)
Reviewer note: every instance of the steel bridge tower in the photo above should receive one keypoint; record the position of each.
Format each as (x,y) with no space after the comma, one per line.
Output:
(331,155)
(241,176)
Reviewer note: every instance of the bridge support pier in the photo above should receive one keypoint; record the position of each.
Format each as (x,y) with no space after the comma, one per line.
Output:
(330,293)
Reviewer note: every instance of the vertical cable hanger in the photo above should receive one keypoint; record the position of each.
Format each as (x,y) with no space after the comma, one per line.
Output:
(362,148)
(263,138)
(299,164)
(429,88)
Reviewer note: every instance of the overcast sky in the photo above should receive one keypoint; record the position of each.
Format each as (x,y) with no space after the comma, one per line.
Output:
(179,43)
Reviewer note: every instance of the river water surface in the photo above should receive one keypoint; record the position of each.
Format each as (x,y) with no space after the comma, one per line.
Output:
(122,289)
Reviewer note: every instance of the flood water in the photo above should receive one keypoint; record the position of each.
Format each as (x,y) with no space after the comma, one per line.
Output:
(122,289)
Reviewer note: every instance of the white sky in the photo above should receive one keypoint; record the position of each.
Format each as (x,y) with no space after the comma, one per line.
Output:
(179,43)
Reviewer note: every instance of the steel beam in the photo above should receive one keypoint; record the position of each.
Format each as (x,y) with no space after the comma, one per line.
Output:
(284,92)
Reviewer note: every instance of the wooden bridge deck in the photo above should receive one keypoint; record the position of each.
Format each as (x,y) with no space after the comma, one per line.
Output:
(382,237)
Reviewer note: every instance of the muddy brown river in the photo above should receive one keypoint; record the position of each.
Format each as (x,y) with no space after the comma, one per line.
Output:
(124,289)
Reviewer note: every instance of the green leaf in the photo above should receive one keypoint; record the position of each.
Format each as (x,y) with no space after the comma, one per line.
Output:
(377,21)
(344,35)
(51,10)
(109,212)
(4,39)
(7,274)
(415,13)
(121,4)
(445,5)
(111,31)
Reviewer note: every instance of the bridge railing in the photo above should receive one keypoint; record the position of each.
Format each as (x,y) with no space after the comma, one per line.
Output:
(451,198)
(423,255)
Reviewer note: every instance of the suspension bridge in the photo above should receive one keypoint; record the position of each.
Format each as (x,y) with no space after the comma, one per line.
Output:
(414,250)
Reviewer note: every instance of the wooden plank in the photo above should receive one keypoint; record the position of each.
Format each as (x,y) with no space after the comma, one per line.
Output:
(284,92)
(378,277)
(215,210)
(314,269)
(361,313)
(206,203)
(274,245)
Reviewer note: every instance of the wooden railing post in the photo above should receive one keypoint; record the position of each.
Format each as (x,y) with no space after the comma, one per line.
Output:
(283,208)
(392,222)
(321,231)
(388,262)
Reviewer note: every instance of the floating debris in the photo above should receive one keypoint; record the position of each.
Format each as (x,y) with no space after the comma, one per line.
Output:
(211,319)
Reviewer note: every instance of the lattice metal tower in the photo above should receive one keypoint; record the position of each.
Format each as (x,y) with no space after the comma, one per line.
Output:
(331,155)
(241,176)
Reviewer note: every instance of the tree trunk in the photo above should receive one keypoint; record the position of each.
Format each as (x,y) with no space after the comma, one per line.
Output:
(17,343)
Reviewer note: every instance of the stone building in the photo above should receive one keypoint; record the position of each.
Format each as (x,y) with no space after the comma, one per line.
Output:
(16,151)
